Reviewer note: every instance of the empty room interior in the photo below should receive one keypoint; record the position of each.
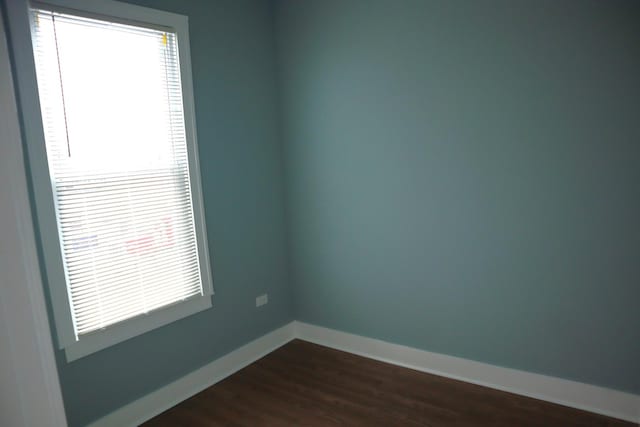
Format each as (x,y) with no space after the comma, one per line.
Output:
(320,213)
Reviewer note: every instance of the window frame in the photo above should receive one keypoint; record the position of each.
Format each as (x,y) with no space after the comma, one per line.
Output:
(43,197)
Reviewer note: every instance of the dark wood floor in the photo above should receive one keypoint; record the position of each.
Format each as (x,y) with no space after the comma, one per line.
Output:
(303,384)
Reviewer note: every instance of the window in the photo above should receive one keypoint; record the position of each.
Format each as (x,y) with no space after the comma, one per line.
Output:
(119,139)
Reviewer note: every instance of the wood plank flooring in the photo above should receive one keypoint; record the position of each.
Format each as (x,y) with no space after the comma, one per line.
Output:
(303,384)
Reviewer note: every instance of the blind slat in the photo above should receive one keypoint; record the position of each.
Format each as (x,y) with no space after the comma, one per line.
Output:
(104,267)
(157,285)
(126,313)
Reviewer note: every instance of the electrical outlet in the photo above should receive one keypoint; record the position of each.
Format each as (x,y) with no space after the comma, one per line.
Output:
(262,300)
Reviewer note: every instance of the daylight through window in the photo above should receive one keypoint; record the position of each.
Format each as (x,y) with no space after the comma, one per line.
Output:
(113,118)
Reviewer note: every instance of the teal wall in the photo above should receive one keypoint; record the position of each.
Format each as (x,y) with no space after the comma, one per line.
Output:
(233,61)
(464,177)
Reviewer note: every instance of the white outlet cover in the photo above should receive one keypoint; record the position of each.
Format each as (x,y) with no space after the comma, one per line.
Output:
(262,300)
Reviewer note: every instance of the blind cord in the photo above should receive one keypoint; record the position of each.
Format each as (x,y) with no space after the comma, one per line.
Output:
(64,106)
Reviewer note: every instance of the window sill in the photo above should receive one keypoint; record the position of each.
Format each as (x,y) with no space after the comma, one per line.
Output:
(130,328)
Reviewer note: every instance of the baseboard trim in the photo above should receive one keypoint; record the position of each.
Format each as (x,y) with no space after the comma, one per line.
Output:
(154,403)
(587,397)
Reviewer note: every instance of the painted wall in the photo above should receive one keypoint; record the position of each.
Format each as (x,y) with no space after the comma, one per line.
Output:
(464,177)
(233,61)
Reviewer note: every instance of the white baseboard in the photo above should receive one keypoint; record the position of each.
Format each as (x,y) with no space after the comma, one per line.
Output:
(590,398)
(599,400)
(149,406)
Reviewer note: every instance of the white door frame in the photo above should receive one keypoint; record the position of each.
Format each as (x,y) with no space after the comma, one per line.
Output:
(30,392)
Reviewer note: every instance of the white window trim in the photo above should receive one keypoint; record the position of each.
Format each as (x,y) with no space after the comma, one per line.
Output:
(21,41)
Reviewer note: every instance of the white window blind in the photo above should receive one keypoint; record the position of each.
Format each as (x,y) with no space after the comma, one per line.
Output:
(113,118)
